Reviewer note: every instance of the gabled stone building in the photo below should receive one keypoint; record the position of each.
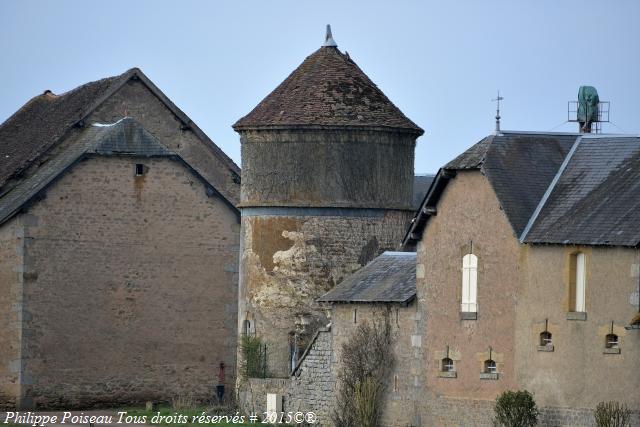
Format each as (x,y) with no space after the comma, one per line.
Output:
(528,277)
(119,238)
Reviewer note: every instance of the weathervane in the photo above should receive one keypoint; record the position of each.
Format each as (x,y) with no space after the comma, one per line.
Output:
(497,100)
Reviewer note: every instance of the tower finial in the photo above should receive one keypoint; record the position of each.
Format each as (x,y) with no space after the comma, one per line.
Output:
(497,100)
(328,39)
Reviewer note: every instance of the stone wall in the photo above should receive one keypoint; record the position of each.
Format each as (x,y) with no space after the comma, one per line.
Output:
(403,398)
(252,393)
(339,167)
(451,412)
(11,278)
(131,291)
(469,219)
(289,259)
(313,383)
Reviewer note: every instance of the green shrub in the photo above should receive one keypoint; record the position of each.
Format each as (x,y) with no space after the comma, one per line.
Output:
(254,357)
(515,409)
(612,414)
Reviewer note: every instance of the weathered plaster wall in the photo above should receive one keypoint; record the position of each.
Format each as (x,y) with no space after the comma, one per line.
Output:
(132,288)
(288,261)
(11,280)
(468,213)
(402,399)
(327,168)
(577,373)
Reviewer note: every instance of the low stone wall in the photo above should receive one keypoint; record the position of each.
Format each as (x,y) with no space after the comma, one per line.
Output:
(479,413)
(252,393)
(312,384)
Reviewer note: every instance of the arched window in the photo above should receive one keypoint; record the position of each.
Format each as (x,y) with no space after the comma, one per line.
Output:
(447,365)
(490,367)
(577,283)
(469,283)
(612,341)
(545,338)
(246,327)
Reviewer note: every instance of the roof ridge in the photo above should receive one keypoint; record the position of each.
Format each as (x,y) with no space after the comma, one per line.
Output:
(549,190)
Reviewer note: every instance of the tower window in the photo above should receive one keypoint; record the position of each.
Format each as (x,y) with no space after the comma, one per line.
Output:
(469,283)
(545,338)
(139,169)
(490,367)
(577,283)
(447,365)
(355,315)
(611,341)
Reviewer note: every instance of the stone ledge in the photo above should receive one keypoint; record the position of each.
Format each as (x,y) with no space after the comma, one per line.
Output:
(548,347)
(489,376)
(447,374)
(468,315)
(611,351)
(577,315)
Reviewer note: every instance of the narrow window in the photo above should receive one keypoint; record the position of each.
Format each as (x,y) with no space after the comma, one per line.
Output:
(395,383)
(355,315)
(490,367)
(612,341)
(447,365)
(577,283)
(246,327)
(139,169)
(545,338)
(469,283)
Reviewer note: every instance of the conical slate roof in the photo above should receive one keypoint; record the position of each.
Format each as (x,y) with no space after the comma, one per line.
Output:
(327,89)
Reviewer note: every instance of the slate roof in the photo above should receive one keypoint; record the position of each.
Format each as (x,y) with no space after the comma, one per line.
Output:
(421,184)
(391,277)
(43,121)
(327,89)
(125,137)
(596,199)
(519,166)
(554,188)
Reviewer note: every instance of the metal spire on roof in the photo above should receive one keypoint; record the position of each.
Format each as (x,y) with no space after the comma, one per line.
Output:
(497,100)
(328,39)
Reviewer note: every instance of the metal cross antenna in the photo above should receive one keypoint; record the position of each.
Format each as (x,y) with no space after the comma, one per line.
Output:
(497,100)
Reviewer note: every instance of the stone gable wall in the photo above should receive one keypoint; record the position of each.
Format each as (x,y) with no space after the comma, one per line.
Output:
(132,286)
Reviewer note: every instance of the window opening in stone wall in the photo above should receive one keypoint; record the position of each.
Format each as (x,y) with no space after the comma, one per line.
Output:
(397,317)
(139,169)
(355,315)
(469,283)
(395,383)
(447,365)
(246,327)
(490,367)
(612,341)
(545,338)
(577,282)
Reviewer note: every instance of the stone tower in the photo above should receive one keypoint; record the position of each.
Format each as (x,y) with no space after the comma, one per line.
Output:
(327,177)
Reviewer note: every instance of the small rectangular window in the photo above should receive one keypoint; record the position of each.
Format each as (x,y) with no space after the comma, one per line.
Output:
(355,315)
(139,169)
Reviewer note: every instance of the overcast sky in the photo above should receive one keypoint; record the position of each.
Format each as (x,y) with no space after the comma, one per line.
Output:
(440,62)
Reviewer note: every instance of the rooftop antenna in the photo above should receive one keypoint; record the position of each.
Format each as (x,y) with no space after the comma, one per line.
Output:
(497,101)
(328,39)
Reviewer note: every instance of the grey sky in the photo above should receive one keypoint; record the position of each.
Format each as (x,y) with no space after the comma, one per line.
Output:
(440,62)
